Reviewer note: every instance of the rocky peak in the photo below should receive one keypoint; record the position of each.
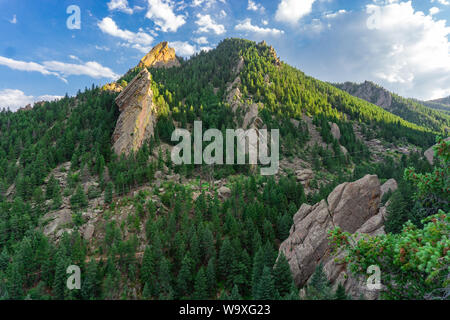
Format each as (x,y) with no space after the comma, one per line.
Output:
(161,56)
(271,51)
(370,92)
(138,114)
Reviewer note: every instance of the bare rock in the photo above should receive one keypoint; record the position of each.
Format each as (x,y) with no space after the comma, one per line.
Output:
(429,154)
(138,114)
(56,220)
(354,203)
(351,206)
(304,176)
(88,232)
(161,56)
(224,192)
(390,185)
(335,131)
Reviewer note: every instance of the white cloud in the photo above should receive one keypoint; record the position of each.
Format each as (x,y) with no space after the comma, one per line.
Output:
(206,24)
(14,99)
(13,20)
(119,5)
(201,40)
(183,48)
(291,11)
(246,25)
(137,39)
(434,10)
(91,68)
(102,48)
(443,2)
(331,15)
(253,6)
(60,69)
(162,14)
(206,4)
(391,44)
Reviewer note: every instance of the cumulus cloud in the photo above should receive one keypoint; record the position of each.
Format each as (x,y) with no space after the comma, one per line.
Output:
(247,26)
(119,5)
(183,48)
(392,44)
(14,99)
(253,6)
(291,11)
(61,69)
(201,40)
(162,14)
(139,40)
(207,24)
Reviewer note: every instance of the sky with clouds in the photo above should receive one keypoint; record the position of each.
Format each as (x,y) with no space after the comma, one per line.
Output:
(46,51)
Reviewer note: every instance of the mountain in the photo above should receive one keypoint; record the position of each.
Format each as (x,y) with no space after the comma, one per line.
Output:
(409,109)
(89,181)
(444,101)
(442,105)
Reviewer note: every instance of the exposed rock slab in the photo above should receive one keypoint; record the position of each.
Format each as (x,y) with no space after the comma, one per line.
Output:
(138,114)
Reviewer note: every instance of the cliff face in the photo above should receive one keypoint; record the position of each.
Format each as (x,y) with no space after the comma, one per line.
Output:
(370,92)
(161,56)
(138,114)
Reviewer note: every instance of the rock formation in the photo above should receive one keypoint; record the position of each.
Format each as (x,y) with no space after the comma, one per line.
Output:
(369,91)
(429,154)
(138,114)
(352,206)
(161,56)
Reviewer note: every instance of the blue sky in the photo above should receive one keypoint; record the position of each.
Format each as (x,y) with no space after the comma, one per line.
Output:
(402,45)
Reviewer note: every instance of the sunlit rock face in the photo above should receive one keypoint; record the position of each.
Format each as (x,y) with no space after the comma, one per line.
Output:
(161,56)
(137,115)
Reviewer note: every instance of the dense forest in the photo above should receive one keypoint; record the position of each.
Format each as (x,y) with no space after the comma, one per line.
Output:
(172,245)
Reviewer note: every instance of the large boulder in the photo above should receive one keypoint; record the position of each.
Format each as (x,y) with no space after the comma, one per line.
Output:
(335,131)
(352,206)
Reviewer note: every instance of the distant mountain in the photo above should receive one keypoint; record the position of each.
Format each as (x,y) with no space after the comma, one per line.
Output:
(442,105)
(412,110)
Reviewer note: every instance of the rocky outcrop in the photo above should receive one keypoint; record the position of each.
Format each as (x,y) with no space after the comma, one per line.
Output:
(335,131)
(161,56)
(390,185)
(112,87)
(272,52)
(352,206)
(138,114)
(370,92)
(304,176)
(429,154)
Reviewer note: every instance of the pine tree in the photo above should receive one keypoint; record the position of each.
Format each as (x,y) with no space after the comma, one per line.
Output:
(340,293)
(109,193)
(266,287)
(201,288)
(319,288)
(283,276)
(235,294)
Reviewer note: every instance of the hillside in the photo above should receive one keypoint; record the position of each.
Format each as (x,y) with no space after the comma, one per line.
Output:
(88,180)
(409,109)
